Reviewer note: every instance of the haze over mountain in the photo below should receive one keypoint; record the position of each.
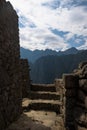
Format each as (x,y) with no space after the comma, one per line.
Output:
(32,56)
(48,65)
(47,68)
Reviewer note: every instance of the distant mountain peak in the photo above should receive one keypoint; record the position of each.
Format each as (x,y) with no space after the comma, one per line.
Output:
(71,50)
(32,56)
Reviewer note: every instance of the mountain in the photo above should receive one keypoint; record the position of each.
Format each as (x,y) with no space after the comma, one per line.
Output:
(47,68)
(32,56)
(72,50)
(48,65)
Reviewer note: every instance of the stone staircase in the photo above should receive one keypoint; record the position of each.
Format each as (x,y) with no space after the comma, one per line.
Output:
(44,98)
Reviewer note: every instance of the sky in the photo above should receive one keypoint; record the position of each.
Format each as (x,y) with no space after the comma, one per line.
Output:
(52,24)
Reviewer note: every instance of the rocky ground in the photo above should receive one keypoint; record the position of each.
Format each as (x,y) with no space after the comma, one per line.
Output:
(38,120)
(41,110)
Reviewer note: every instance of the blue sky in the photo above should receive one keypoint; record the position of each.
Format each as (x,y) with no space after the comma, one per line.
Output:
(52,24)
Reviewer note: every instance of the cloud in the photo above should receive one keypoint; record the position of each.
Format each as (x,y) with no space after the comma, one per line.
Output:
(84,46)
(42,40)
(38,18)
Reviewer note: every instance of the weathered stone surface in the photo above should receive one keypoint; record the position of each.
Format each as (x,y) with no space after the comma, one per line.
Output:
(59,84)
(76,98)
(10,90)
(81,116)
(70,81)
(82,71)
(71,93)
(86,102)
(44,95)
(69,110)
(81,95)
(82,64)
(43,87)
(83,84)
(25,77)
(60,89)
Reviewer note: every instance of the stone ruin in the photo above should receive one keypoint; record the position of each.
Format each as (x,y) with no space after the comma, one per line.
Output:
(76,98)
(73,95)
(10,90)
(15,80)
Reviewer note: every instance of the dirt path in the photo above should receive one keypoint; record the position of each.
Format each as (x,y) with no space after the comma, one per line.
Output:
(38,120)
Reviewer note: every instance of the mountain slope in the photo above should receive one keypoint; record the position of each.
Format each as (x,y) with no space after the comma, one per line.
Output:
(47,68)
(32,56)
(71,50)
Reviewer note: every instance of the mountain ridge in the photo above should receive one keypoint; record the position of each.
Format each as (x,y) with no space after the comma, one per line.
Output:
(48,65)
(47,68)
(32,56)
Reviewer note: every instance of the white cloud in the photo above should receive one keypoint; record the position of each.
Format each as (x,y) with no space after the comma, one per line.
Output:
(68,36)
(44,39)
(31,12)
(84,46)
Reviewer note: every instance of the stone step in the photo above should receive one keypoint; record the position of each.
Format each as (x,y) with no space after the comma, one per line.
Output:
(46,105)
(44,95)
(43,87)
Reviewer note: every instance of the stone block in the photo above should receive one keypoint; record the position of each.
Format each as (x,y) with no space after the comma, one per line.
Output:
(82,64)
(70,81)
(81,95)
(71,93)
(83,84)
(25,77)
(81,116)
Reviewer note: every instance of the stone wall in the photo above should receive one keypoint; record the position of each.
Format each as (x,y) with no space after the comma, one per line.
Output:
(10,91)
(25,78)
(60,89)
(76,98)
